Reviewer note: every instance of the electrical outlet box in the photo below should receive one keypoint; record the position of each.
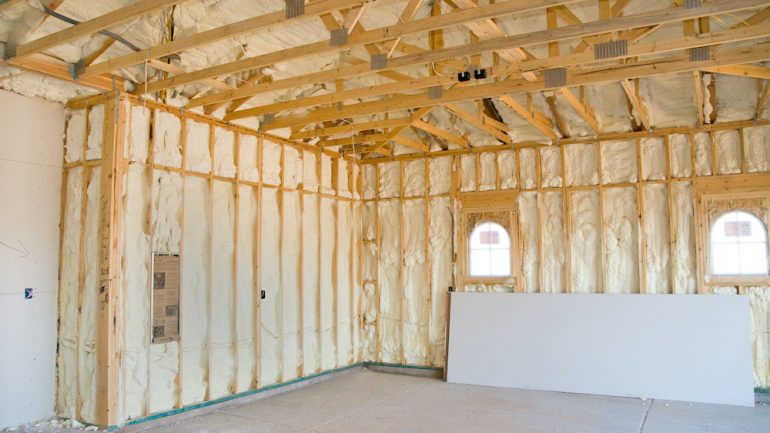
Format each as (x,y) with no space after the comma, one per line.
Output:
(27,293)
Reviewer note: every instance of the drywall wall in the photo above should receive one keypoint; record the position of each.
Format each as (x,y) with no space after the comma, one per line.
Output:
(30,188)
(610,217)
(633,346)
(239,230)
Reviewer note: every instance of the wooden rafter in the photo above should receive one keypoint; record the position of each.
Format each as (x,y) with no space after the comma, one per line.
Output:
(351,128)
(536,119)
(742,71)
(440,133)
(764,96)
(382,34)
(675,44)
(248,25)
(395,133)
(479,122)
(561,124)
(632,92)
(754,53)
(581,108)
(95,25)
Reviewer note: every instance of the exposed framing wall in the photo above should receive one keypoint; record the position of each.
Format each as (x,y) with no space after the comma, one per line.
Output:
(244,211)
(613,215)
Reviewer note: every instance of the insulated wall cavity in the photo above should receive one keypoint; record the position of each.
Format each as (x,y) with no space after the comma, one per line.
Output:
(585,242)
(621,246)
(270,280)
(291,292)
(416,283)
(390,270)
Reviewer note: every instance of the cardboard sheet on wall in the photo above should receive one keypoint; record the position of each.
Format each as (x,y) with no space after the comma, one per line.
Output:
(165,298)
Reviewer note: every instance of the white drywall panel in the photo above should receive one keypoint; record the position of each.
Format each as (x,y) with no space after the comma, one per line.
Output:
(686,347)
(31,148)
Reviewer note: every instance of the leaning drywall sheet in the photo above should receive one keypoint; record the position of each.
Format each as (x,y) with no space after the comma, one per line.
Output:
(390,281)
(697,348)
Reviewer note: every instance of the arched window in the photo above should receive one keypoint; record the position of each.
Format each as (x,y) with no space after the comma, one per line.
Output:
(738,245)
(490,251)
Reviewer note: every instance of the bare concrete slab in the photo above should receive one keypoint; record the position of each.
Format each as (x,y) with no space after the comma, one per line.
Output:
(372,402)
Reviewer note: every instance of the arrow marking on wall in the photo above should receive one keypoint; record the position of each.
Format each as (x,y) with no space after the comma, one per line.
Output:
(23,251)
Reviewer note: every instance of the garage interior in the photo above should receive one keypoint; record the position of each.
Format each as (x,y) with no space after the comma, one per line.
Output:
(385,215)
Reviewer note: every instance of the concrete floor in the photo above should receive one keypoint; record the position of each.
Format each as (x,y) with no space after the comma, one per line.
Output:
(365,401)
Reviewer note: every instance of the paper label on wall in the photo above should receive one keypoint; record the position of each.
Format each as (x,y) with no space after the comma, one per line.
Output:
(165,298)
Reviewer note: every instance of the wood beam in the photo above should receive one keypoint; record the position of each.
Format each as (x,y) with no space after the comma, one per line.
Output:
(479,122)
(7,4)
(364,38)
(675,44)
(440,133)
(698,90)
(764,94)
(562,126)
(530,116)
(92,26)
(742,71)
(362,92)
(249,25)
(632,92)
(395,132)
(51,66)
(351,128)
(581,108)
(745,54)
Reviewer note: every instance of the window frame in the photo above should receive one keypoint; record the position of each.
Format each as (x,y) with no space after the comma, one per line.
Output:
(490,206)
(712,225)
(716,196)
(477,226)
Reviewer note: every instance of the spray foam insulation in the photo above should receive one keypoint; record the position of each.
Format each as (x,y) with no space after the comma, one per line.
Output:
(653,158)
(728,152)
(618,160)
(550,165)
(507,168)
(585,242)
(468,173)
(581,169)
